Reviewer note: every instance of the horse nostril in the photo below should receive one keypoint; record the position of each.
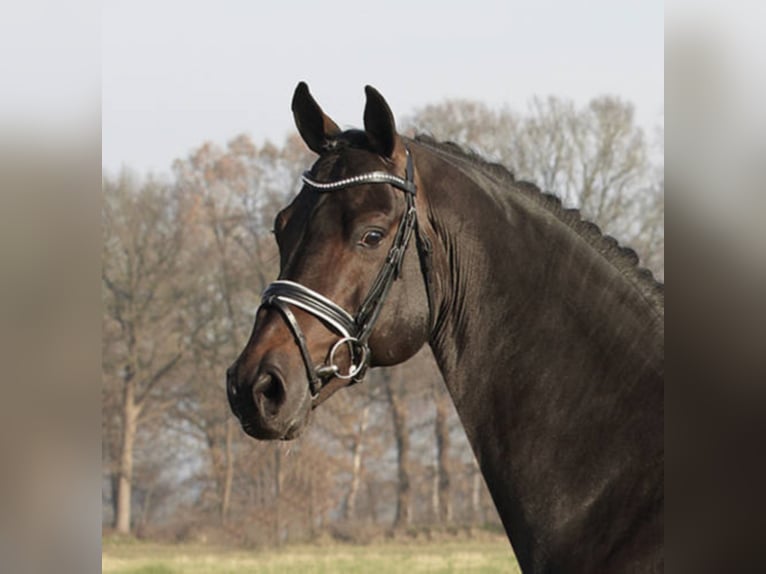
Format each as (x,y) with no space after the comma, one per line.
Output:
(269,392)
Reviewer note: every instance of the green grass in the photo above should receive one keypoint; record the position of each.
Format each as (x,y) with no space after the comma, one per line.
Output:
(386,558)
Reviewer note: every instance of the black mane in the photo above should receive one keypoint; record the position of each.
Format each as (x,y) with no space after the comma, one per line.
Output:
(622,257)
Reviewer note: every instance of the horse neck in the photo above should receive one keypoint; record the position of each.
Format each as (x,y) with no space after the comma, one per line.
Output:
(553,357)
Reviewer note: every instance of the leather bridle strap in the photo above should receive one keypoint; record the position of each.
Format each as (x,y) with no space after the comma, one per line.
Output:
(314,381)
(373,303)
(354,330)
(311,301)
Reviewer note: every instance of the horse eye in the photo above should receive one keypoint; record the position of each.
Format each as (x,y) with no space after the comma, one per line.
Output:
(372,238)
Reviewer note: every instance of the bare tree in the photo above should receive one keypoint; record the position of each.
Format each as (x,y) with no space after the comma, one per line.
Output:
(356,469)
(143,296)
(234,193)
(595,158)
(444,467)
(396,394)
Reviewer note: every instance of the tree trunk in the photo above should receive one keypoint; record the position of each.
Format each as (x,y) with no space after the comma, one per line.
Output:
(129,420)
(435,494)
(443,497)
(146,508)
(401,434)
(312,508)
(229,471)
(476,516)
(372,501)
(114,483)
(277,493)
(356,473)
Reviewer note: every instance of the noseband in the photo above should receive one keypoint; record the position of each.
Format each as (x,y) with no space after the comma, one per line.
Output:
(354,330)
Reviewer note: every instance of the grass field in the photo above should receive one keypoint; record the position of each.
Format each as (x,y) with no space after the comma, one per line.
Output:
(384,558)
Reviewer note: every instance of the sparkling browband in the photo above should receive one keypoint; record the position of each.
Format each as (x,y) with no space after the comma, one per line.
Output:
(374,177)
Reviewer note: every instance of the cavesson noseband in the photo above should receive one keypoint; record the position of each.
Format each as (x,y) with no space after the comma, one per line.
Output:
(354,330)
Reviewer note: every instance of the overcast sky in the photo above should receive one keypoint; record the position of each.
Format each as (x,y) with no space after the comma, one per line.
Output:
(176,73)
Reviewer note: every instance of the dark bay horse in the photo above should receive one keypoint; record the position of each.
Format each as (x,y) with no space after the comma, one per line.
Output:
(549,336)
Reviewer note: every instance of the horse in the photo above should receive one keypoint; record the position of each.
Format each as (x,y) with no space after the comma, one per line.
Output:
(548,334)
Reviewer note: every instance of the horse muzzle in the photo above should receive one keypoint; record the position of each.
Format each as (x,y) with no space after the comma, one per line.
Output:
(266,406)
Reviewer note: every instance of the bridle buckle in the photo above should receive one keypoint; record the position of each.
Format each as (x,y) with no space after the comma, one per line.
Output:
(357,351)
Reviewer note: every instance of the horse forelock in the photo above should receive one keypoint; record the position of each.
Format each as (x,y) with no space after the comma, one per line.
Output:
(347,153)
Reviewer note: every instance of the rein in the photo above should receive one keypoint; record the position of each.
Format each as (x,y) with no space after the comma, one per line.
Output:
(354,330)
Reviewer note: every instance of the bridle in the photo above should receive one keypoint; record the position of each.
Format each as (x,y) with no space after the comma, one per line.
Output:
(354,330)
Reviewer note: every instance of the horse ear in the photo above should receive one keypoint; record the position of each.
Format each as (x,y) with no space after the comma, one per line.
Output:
(314,126)
(379,122)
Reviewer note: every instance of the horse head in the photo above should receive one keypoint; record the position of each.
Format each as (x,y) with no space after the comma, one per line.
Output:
(351,290)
